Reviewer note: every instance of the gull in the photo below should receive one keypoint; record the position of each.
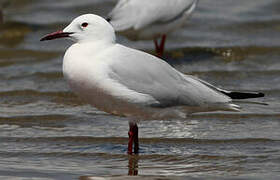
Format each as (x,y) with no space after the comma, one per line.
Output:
(150,19)
(128,82)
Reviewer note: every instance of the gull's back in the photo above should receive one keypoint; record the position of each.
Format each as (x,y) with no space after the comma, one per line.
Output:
(147,75)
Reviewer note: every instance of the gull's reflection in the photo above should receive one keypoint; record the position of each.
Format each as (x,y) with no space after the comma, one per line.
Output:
(132,171)
(133,165)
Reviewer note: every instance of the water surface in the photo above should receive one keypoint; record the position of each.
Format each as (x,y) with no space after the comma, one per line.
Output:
(46,132)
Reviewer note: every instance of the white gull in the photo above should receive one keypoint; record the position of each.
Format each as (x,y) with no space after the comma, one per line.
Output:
(124,81)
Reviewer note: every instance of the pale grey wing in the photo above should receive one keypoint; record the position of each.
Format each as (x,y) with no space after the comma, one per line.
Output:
(146,74)
(138,14)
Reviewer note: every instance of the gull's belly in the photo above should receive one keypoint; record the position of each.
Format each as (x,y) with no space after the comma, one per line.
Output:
(89,92)
(103,101)
(92,92)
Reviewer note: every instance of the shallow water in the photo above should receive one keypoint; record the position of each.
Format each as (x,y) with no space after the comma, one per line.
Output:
(46,132)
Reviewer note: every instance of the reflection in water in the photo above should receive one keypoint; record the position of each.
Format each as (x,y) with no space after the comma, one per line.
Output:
(1,17)
(133,165)
(132,170)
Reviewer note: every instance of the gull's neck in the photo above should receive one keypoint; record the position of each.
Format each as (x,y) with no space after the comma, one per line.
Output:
(98,40)
(94,46)
(87,50)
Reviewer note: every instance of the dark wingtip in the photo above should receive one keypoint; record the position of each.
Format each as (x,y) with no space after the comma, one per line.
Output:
(243,95)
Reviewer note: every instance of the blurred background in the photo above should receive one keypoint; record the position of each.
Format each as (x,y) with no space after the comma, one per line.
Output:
(46,132)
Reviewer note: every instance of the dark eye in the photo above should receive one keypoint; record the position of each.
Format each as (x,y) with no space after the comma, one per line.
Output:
(84,24)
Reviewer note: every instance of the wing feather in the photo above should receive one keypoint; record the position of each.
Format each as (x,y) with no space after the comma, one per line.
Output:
(146,74)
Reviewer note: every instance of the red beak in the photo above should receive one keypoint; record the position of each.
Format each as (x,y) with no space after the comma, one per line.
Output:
(56,35)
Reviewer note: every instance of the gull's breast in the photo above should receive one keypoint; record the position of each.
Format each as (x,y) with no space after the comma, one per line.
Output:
(91,82)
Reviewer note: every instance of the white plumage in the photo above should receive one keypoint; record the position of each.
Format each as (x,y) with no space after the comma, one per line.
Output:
(124,81)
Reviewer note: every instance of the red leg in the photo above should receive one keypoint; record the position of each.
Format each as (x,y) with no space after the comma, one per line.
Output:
(160,48)
(130,141)
(133,138)
(136,140)
(162,44)
(156,45)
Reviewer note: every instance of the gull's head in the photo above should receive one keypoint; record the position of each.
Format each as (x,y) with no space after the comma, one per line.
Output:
(85,28)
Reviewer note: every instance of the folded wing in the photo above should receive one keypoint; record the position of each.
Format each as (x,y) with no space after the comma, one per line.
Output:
(140,72)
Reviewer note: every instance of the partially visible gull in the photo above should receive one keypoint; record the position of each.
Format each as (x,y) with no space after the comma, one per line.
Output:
(150,19)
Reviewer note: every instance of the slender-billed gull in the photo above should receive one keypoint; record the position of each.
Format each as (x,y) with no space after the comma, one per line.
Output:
(150,19)
(124,81)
